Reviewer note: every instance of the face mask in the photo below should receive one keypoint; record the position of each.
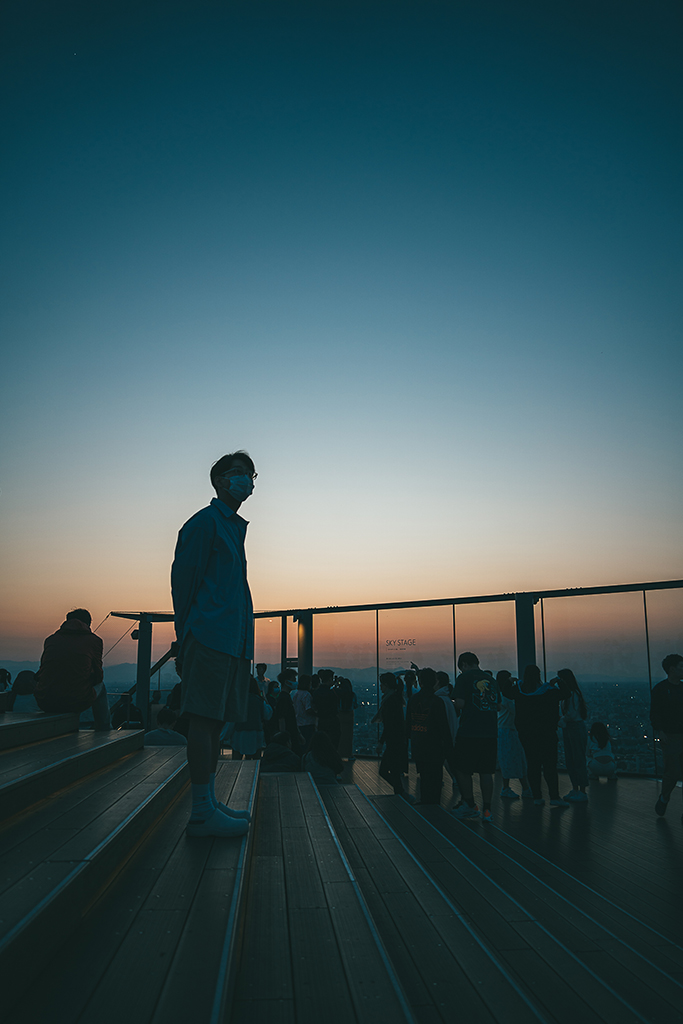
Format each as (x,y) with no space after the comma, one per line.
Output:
(240,487)
(276,690)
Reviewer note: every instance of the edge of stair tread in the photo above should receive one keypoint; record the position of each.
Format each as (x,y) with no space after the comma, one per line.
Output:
(63,748)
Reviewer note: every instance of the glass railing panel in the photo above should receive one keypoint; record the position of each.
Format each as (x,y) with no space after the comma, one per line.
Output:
(267,644)
(488,630)
(601,638)
(347,644)
(423,636)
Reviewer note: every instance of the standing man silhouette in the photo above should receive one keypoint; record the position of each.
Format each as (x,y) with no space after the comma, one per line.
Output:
(215,635)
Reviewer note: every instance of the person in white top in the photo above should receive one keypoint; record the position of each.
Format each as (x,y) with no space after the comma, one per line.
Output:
(600,755)
(445,691)
(261,677)
(575,737)
(303,709)
(511,757)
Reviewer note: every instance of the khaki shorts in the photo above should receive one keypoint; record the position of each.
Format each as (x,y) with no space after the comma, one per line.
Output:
(213,684)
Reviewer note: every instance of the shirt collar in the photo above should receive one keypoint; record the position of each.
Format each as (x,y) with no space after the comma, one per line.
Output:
(227,511)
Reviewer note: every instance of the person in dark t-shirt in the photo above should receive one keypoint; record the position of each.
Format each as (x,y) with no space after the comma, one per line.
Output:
(477,697)
(666,715)
(427,729)
(325,702)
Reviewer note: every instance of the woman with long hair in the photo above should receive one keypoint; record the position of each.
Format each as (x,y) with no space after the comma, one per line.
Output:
(575,736)
(536,716)
(393,737)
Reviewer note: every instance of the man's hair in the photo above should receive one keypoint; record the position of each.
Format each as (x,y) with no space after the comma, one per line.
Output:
(283,738)
(467,658)
(389,679)
(670,661)
(532,676)
(326,675)
(442,677)
(166,717)
(427,678)
(261,664)
(25,683)
(225,463)
(81,614)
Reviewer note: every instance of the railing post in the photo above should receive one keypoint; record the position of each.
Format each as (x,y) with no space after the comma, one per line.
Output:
(526,632)
(283,644)
(144,666)
(305,643)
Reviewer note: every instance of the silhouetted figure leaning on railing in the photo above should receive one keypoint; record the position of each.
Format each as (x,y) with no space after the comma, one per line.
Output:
(70,677)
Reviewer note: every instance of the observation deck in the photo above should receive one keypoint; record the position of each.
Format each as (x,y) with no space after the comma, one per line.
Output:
(343,903)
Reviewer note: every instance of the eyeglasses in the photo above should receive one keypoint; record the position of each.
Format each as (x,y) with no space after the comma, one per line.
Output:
(238,472)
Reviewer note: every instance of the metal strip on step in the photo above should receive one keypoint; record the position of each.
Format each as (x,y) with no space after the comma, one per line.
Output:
(393,978)
(218,1007)
(530,917)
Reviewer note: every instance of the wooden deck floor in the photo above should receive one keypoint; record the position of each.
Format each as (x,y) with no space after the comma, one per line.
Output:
(614,844)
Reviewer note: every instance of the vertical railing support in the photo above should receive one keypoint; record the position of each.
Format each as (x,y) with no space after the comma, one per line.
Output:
(378,695)
(525,631)
(649,678)
(305,643)
(144,665)
(283,644)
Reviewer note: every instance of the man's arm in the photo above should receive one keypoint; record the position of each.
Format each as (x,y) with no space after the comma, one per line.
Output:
(192,554)
(97,668)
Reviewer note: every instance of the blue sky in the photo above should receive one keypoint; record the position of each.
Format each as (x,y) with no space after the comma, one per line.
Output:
(421,259)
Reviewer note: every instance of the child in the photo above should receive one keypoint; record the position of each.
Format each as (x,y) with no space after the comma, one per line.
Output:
(600,756)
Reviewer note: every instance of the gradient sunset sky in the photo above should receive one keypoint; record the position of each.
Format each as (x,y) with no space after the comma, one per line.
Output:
(422,260)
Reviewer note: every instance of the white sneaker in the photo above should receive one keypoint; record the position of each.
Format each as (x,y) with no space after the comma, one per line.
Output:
(232,813)
(577,797)
(218,824)
(559,803)
(509,794)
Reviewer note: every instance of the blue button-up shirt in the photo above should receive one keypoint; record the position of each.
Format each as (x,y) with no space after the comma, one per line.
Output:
(211,595)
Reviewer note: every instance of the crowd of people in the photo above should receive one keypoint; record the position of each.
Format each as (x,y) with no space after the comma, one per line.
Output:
(293,725)
(483,721)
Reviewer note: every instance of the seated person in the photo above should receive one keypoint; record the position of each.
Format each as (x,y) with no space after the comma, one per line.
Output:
(22,696)
(278,755)
(163,735)
(600,754)
(323,761)
(70,677)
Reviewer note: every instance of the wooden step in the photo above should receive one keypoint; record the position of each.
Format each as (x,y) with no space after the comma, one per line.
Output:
(441,957)
(569,963)
(36,770)
(643,966)
(58,856)
(159,944)
(17,728)
(310,951)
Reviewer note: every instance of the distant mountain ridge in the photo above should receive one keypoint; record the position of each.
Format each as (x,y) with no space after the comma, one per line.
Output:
(123,675)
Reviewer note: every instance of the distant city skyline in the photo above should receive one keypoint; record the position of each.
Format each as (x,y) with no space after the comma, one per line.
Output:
(421,260)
